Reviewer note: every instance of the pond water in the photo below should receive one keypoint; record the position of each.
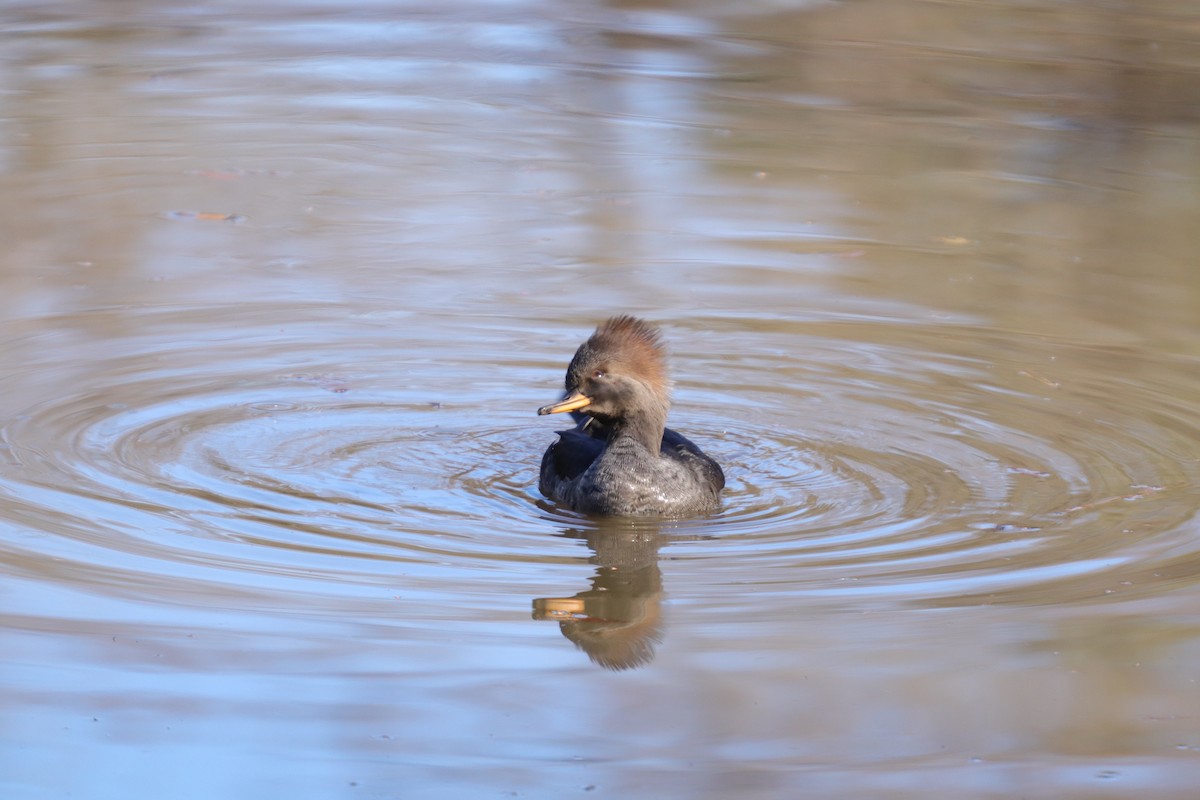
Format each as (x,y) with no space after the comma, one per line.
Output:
(284,283)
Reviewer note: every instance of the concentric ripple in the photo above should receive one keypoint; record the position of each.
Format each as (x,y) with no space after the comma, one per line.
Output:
(942,478)
(218,469)
(866,462)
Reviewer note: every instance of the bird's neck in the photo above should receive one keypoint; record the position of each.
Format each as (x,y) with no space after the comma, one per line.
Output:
(646,427)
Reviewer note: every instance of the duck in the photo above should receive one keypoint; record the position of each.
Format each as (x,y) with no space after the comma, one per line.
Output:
(620,459)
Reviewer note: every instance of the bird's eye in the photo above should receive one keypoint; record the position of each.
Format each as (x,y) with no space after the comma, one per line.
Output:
(598,374)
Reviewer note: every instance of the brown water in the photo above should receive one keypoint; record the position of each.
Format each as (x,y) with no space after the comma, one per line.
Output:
(283,284)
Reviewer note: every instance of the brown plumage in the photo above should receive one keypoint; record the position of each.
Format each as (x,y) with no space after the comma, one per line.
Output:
(621,459)
(629,345)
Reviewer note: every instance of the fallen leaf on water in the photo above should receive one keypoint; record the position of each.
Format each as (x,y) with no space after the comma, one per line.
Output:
(204,216)
(1139,493)
(1031,472)
(1039,379)
(330,383)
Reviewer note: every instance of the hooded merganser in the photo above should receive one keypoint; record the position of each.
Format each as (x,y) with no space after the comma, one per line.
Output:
(621,459)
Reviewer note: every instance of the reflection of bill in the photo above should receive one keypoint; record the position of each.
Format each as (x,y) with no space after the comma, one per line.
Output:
(618,621)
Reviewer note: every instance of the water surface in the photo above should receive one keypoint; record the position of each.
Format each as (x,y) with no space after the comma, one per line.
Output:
(283,285)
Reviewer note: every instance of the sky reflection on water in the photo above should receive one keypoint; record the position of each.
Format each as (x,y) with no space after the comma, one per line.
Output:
(285,284)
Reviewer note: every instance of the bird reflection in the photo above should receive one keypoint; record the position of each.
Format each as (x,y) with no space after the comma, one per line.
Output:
(618,620)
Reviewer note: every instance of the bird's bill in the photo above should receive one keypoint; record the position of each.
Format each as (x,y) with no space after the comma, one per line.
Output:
(572,402)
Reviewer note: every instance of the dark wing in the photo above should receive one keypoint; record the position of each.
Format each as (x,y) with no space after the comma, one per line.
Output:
(573,453)
(676,445)
(576,449)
